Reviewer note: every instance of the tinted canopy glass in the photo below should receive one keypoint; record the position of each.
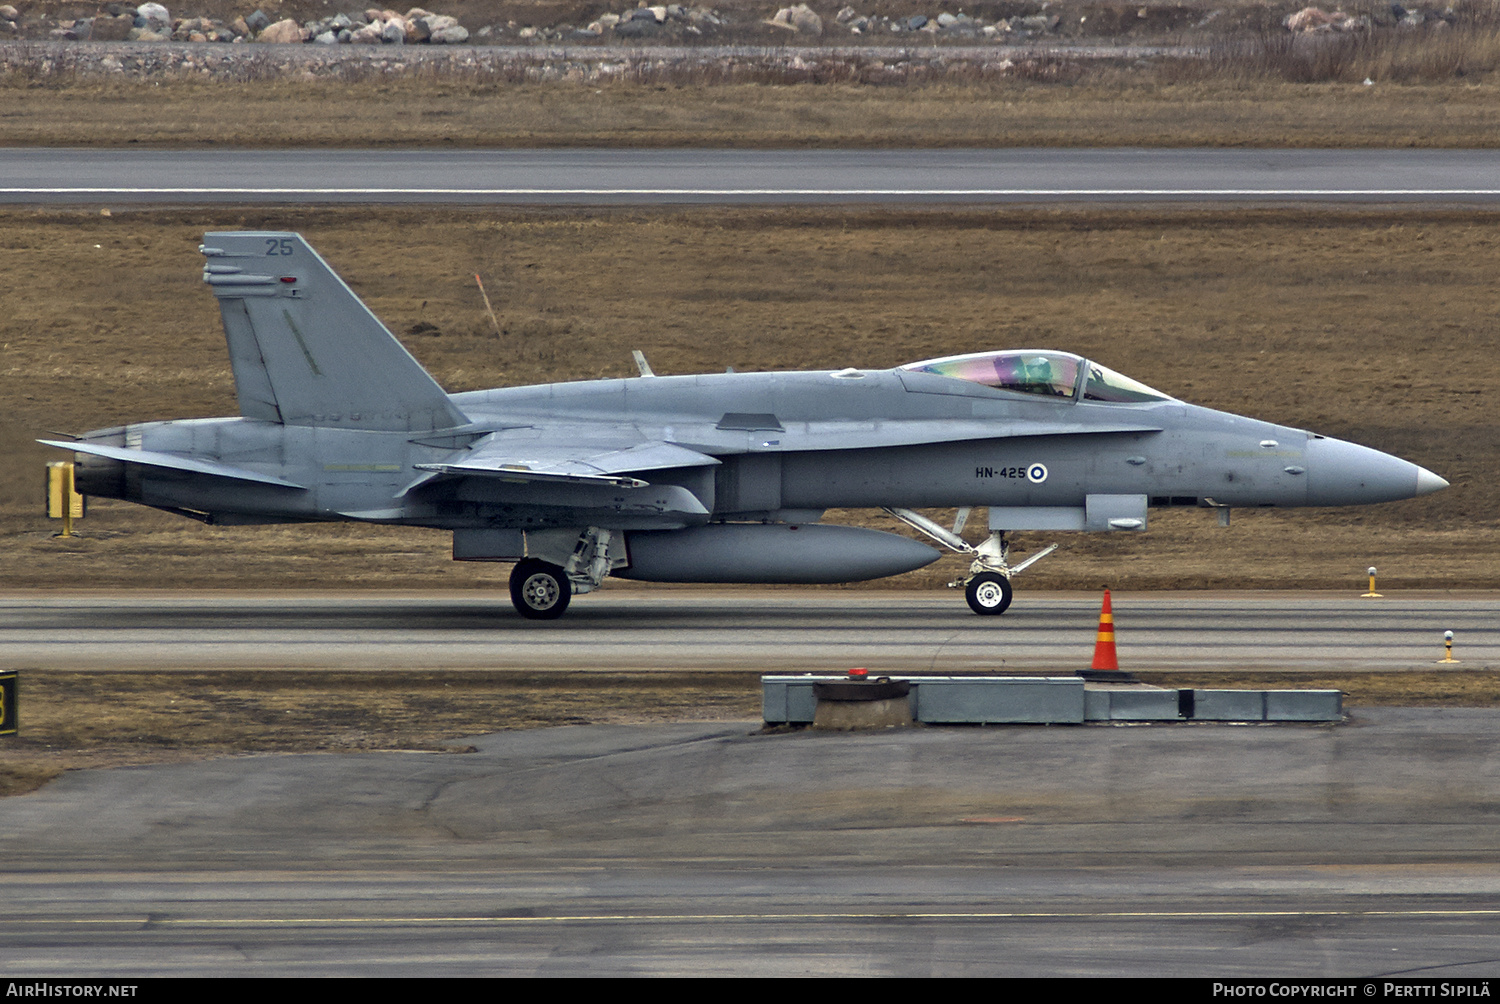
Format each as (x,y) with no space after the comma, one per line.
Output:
(1052,374)
(1104,384)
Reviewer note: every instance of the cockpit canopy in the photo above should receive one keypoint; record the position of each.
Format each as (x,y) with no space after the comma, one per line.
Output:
(1049,374)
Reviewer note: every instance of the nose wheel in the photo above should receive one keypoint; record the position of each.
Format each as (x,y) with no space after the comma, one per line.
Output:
(988,593)
(539,590)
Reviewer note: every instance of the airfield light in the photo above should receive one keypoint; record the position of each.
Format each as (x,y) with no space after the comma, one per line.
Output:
(1372,594)
(1447,647)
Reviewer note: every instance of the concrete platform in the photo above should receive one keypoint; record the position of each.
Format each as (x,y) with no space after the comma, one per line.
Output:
(1062,700)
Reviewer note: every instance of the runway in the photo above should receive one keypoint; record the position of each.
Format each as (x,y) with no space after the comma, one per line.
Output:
(765,177)
(1363,850)
(743,629)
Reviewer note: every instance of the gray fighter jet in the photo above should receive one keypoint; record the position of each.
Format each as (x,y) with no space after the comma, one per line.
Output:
(716,478)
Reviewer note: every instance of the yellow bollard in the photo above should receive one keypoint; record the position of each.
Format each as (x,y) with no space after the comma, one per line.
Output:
(1372,594)
(63,502)
(9,681)
(1447,648)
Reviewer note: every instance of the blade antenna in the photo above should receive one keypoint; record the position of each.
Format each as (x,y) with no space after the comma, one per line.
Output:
(959,520)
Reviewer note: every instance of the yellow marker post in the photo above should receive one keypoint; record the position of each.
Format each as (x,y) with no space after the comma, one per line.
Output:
(1372,594)
(1447,648)
(62,501)
(9,706)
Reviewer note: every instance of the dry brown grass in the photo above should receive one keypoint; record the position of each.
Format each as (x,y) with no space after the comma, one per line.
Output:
(1375,326)
(1386,57)
(105,719)
(1117,108)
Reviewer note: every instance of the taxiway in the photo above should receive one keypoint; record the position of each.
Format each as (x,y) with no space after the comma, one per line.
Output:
(1360,850)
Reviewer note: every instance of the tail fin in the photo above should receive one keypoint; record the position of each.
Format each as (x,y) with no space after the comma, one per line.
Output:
(305,350)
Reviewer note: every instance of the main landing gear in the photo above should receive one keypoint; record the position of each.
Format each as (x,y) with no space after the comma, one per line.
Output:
(539,589)
(987,589)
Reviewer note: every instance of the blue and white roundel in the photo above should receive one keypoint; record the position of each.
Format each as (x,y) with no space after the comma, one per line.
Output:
(1036,473)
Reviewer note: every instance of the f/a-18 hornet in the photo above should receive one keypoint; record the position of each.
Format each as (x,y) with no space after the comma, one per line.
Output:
(715,478)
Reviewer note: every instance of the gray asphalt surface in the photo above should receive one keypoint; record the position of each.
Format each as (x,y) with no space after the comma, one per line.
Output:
(1354,850)
(639,177)
(746,629)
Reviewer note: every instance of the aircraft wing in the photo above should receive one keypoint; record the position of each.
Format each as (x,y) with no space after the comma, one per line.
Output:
(551,456)
(172,462)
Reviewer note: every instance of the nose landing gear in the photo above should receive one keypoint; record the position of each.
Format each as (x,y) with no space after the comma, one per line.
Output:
(987,589)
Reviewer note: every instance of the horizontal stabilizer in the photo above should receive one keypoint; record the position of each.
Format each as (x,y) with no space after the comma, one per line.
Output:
(171,461)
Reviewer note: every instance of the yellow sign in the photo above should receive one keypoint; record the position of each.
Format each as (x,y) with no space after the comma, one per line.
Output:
(62,501)
(60,488)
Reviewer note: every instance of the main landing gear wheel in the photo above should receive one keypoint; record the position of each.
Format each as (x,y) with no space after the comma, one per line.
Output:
(988,593)
(539,589)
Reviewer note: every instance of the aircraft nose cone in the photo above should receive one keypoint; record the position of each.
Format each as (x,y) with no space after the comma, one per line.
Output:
(1341,473)
(1428,482)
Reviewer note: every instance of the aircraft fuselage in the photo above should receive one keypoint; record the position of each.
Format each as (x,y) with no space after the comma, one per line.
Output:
(815,449)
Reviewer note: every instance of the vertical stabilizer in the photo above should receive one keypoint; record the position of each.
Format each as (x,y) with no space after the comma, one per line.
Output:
(305,349)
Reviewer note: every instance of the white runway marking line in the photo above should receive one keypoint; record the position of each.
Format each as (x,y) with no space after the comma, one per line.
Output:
(692,918)
(883,192)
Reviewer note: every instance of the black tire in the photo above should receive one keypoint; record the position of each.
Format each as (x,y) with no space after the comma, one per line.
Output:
(988,593)
(539,590)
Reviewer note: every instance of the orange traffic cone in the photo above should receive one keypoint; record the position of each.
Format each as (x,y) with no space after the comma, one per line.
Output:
(1104,646)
